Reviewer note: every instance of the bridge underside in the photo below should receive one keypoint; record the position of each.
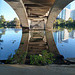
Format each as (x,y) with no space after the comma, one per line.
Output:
(37,15)
(30,11)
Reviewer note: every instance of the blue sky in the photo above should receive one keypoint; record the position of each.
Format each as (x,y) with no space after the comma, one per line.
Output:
(9,13)
(72,5)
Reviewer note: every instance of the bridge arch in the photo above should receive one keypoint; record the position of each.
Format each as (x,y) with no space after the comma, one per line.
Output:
(20,10)
(55,10)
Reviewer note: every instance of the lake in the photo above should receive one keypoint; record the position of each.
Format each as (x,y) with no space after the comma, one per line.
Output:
(65,42)
(9,42)
(10,39)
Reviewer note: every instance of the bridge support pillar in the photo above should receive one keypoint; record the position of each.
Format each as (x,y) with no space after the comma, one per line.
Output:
(20,10)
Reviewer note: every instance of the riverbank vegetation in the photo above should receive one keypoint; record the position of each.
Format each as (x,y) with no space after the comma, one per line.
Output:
(42,59)
(61,24)
(9,24)
(18,58)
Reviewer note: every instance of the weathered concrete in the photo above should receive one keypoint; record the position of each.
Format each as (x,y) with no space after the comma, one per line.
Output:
(20,10)
(37,8)
(37,24)
(37,70)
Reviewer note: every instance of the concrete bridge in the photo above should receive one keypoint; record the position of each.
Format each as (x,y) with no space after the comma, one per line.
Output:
(38,9)
(38,15)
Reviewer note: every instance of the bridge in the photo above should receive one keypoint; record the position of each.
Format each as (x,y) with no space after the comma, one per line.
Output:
(36,16)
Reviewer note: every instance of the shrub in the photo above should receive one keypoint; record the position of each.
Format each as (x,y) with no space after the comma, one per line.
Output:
(22,42)
(42,59)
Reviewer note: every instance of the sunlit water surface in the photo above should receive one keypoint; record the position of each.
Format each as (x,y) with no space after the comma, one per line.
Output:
(10,41)
(65,42)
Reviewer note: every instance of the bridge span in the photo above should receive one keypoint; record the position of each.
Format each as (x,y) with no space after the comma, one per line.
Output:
(38,9)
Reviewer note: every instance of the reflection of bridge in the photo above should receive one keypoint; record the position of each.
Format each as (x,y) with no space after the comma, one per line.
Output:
(63,36)
(2,31)
(38,13)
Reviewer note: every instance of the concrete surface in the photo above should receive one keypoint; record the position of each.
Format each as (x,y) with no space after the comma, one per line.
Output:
(37,70)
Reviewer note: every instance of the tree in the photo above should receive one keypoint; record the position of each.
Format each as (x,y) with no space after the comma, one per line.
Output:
(58,22)
(2,19)
(16,22)
(70,19)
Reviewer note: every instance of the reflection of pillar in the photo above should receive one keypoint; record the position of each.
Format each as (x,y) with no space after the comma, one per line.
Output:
(24,40)
(51,44)
(24,44)
(21,53)
(66,34)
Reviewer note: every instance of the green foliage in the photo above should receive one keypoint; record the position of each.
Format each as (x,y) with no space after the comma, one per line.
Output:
(9,24)
(42,59)
(17,58)
(21,58)
(2,20)
(69,24)
(58,22)
(22,42)
(9,59)
(70,20)
(35,59)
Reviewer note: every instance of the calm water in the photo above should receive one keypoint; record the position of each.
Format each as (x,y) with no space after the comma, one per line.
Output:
(65,42)
(10,41)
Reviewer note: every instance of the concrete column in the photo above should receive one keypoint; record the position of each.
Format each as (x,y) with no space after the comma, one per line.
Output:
(20,10)
(54,11)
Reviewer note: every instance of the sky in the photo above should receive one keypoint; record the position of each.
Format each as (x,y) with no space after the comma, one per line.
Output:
(71,5)
(9,13)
